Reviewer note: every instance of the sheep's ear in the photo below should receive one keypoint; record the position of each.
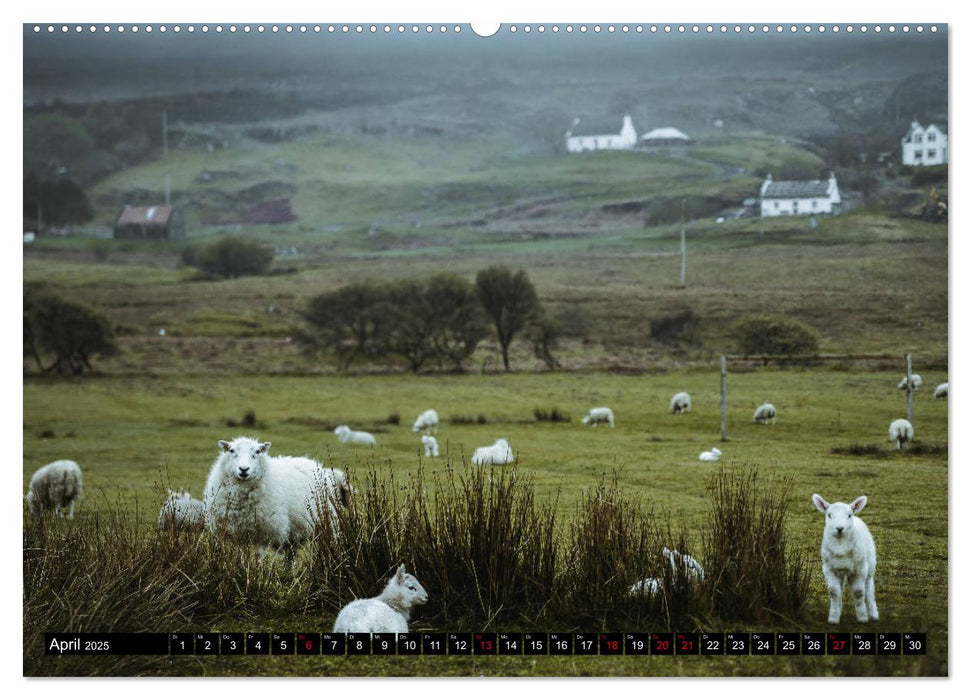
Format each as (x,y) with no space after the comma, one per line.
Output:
(858,504)
(399,575)
(225,445)
(264,447)
(665,551)
(821,505)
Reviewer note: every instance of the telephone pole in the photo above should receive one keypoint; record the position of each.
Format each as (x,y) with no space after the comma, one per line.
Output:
(684,257)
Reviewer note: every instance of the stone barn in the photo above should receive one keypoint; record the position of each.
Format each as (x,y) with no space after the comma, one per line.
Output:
(150,223)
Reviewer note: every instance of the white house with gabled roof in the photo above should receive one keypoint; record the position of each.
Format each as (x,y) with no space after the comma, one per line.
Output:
(800,197)
(594,136)
(924,146)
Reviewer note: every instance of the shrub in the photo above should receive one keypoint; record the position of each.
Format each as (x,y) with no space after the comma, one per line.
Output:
(553,415)
(233,257)
(70,332)
(775,335)
(544,334)
(680,328)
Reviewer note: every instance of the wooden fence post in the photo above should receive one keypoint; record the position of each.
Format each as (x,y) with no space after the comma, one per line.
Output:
(724,402)
(910,393)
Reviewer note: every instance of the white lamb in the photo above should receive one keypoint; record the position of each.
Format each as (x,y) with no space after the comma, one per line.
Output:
(273,502)
(681,403)
(431,445)
(710,456)
(389,612)
(764,414)
(915,382)
(53,487)
(497,453)
(901,432)
(596,416)
(355,437)
(849,558)
(941,391)
(181,510)
(426,421)
(689,565)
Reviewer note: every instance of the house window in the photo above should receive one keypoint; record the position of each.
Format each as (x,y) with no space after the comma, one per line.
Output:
(932,136)
(776,205)
(918,138)
(795,206)
(931,152)
(815,204)
(918,155)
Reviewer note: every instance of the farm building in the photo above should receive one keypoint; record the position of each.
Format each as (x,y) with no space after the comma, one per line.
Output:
(156,222)
(924,146)
(591,136)
(665,136)
(800,197)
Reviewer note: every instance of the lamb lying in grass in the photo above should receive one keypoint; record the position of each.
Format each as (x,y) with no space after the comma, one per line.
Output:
(710,456)
(389,612)
(181,510)
(354,437)
(688,564)
(55,486)
(497,453)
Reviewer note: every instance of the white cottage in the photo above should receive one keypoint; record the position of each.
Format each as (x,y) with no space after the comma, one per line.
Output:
(924,146)
(800,197)
(665,136)
(589,136)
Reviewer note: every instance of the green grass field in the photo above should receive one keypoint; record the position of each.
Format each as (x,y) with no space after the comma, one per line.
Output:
(136,436)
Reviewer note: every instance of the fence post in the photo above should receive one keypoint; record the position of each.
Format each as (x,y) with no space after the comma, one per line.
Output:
(724,402)
(910,393)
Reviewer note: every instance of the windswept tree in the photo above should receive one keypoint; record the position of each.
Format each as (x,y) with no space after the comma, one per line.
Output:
(64,332)
(510,302)
(458,322)
(351,322)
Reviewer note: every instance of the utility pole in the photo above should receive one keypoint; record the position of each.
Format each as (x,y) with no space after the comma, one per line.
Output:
(724,400)
(165,134)
(684,258)
(910,393)
(168,189)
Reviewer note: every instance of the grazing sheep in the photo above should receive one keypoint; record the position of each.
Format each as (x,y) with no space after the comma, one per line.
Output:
(689,565)
(181,510)
(497,453)
(355,437)
(55,486)
(941,391)
(426,421)
(389,612)
(713,456)
(764,414)
(681,403)
(915,382)
(271,501)
(596,416)
(901,432)
(849,558)
(431,445)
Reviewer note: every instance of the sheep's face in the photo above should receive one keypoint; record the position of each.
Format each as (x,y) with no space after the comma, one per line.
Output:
(413,592)
(244,458)
(427,440)
(341,430)
(840,517)
(690,565)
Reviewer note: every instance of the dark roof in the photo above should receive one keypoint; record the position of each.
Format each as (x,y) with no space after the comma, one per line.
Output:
(597,128)
(789,189)
(156,216)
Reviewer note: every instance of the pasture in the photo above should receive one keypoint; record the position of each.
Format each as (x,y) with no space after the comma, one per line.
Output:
(136,436)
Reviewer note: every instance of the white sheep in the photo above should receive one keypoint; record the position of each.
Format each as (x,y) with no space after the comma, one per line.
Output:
(710,456)
(901,432)
(355,437)
(274,502)
(181,510)
(389,612)
(426,421)
(689,565)
(53,487)
(849,558)
(596,416)
(915,382)
(764,414)
(941,391)
(681,402)
(431,445)
(497,453)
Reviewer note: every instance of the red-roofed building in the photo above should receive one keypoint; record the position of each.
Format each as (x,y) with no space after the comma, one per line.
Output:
(150,223)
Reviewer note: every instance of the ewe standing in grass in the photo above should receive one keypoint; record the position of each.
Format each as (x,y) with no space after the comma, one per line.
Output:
(681,403)
(389,612)
(497,453)
(764,414)
(181,510)
(53,487)
(915,382)
(431,445)
(901,432)
(849,558)
(270,501)
(596,416)
(427,421)
(941,391)
(354,437)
